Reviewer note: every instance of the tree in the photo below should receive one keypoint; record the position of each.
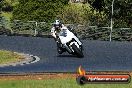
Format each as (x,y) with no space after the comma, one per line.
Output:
(122,10)
(82,14)
(1,4)
(38,10)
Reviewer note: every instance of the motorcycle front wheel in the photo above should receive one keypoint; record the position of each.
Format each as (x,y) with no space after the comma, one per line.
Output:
(77,51)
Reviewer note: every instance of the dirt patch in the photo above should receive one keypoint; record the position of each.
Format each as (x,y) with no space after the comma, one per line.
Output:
(45,76)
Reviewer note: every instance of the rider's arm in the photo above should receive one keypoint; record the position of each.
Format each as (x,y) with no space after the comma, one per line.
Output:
(62,25)
(53,32)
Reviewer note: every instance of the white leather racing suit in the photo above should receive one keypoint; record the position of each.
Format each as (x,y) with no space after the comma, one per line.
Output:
(54,32)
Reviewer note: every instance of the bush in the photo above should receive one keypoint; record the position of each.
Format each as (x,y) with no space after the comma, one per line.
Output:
(82,14)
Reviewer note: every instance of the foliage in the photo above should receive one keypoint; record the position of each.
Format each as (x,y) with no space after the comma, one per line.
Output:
(122,11)
(81,14)
(38,10)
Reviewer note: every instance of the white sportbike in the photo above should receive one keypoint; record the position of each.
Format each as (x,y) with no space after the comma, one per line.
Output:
(70,42)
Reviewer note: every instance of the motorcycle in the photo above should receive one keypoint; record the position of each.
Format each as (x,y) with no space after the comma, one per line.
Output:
(70,43)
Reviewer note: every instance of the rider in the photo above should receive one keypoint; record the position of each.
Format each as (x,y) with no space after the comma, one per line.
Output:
(57,27)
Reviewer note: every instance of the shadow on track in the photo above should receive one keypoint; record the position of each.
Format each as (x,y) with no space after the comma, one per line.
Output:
(66,56)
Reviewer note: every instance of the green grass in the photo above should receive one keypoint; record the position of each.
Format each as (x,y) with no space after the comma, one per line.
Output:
(56,83)
(7,57)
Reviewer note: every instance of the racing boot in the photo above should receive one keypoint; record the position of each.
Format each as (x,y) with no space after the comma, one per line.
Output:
(60,51)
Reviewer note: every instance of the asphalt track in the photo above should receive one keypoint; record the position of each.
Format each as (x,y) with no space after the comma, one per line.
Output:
(99,55)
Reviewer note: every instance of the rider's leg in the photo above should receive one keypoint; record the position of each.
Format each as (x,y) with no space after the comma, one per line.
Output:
(59,45)
(59,48)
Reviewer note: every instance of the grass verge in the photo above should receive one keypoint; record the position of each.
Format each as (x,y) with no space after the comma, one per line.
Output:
(51,81)
(9,57)
(56,83)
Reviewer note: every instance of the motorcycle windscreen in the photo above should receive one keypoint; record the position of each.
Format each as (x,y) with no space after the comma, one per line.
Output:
(65,36)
